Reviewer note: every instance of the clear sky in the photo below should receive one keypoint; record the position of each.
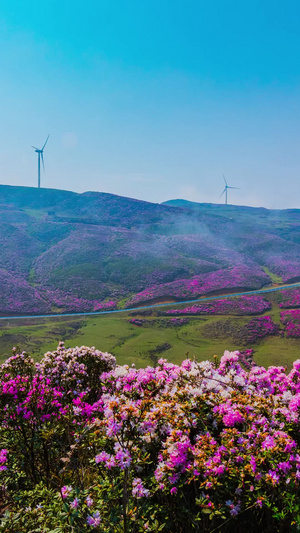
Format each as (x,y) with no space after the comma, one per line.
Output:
(153,99)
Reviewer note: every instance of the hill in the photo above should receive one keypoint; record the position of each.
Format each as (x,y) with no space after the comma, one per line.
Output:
(65,251)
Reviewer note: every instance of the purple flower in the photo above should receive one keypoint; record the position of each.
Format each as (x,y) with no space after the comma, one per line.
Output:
(89,501)
(273,476)
(94,520)
(268,443)
(75,503)
(138,490)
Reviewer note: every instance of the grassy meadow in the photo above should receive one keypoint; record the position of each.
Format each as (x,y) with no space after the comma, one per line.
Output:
(202,337)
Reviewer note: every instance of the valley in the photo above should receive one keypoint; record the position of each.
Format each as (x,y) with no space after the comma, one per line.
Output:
(141,337)
(65,253)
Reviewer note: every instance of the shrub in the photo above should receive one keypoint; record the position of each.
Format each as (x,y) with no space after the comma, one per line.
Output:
(86,445)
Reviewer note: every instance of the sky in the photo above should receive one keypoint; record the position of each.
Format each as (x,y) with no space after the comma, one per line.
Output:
(153,100)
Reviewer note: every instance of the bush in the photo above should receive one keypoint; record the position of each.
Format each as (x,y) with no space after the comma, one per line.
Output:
(86,445)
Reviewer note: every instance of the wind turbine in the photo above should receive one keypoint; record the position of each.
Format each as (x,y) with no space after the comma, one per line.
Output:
(40,151)
(225,189)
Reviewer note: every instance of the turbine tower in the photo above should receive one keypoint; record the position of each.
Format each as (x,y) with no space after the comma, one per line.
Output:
(225,189)
(39,152)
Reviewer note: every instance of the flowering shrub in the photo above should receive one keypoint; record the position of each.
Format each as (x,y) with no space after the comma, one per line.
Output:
(105,306)
(260,327)
(244,305)
(291,320)
(137,322)
(290,298)
(86,445)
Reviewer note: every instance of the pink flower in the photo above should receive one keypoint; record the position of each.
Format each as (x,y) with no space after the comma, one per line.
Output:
(66,490)
(75,503)
(123,458)
(94,520)
(138,490)
(233,417)
(102,457)
(269,442)
(273,477)
(89,501)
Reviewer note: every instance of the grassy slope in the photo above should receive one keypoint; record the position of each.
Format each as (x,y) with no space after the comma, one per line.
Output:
(133,344)
(274,277)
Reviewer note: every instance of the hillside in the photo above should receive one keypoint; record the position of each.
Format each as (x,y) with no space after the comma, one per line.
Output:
(66,251)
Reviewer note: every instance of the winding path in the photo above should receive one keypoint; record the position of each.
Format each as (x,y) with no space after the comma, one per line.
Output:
(128,309)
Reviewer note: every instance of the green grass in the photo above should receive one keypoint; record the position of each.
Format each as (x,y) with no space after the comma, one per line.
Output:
(129,343)
(277,351)
(274,277)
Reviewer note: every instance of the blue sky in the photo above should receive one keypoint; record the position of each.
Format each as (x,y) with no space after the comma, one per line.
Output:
(153,99)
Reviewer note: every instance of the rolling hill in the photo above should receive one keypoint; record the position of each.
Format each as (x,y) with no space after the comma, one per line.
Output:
(63,251)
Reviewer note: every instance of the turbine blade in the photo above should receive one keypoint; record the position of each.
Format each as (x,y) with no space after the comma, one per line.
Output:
(34,147)
(233,187)
(225,180)
(46,141)
(222,193)
(43,161)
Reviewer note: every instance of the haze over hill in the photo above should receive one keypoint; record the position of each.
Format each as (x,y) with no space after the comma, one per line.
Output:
(66,251)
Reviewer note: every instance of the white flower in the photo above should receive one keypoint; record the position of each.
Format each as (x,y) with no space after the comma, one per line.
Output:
(120,371)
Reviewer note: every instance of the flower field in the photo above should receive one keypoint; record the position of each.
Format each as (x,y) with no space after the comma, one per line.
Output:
(17,296)
(238,277)
(87,445)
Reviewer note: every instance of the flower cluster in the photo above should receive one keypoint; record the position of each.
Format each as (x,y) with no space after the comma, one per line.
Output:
(137,321)
(244,305)
(105,306)
(260,327)
(291,320)
(290,298)
(3,459)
